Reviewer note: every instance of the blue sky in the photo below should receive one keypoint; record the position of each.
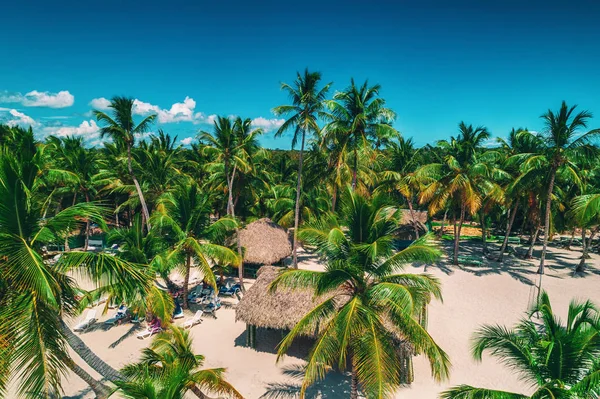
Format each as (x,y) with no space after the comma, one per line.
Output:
(499,64)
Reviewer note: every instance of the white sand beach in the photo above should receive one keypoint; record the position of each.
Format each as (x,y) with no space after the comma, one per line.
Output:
(491,293)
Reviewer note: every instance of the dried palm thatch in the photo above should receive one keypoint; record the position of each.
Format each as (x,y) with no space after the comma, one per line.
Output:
(264,242)
(280,310)
(420,217)
(284,308)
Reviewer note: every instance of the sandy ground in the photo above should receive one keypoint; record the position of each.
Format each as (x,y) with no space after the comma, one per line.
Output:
(491,293)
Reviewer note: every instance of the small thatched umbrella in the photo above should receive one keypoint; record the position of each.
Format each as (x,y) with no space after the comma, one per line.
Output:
(265,242)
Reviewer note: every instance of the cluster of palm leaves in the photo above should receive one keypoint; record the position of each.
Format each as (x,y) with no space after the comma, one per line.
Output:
(168,207)
(558,360)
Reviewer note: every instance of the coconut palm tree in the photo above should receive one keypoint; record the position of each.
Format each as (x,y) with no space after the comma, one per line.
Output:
(366,303)
(169,368)
(399,175)
(359,119)
(461,180)
(563,138)
(306,109)
(184,216)
(36,295)
(121,127)
(586,212)
(558,360)
(74,158)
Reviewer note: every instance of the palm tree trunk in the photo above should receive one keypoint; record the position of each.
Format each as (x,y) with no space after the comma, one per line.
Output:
(237,234)
(355,170)
(85,353)
(483,232)
(571,240)
(457,229)
(547,218)
(353,384)
(186,279)
(534,238)
(509,224)
(87,226)
(297,209)
(334,197)
(67,248)
(412,216)
(138,188)
(100,390)
(441,233)
(586,248)
(117,215)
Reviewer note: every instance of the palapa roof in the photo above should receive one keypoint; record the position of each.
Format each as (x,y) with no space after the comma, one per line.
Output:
(281,310)
(420,217)
(284,308)
(265,242)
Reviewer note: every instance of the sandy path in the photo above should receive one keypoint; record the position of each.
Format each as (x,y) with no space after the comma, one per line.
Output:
(472,296)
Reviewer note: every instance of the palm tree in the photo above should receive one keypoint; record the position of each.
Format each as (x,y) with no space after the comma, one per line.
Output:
(460,179)
(73,157)
(586,212)
(563,139)
(35,294)
(169,368)
(366,303)
(359,119)
(558,360)
(399,175)
(122,128)
(306,108)
(184,215)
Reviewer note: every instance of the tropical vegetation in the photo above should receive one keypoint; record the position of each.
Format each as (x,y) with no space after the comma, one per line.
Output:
(344,191)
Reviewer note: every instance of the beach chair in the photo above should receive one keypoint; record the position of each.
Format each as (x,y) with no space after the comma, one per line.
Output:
(197,319)
(118,317)
(150,331)
(85,323)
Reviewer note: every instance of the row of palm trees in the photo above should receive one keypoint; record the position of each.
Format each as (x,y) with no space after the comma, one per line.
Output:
(169,208)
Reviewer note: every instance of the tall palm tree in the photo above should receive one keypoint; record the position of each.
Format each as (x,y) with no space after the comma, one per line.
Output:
(399,175)
(81,162)
(185,215)
(459,181)
(558,360)
(359,119)
(169,368)
(563,138)
(365,303)
(586,211)
(121,127)
(35,294)
(306,109)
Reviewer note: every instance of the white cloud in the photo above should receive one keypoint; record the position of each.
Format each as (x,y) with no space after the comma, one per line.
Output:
(36,98)
(10,97)
(179,112)
(100,103)
(88,129)
(187,140)
(267,124)
(17,118)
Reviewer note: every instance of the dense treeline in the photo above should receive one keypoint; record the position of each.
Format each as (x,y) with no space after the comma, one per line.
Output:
(168,207)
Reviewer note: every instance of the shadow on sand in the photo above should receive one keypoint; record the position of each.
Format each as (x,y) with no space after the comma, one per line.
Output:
(335,385)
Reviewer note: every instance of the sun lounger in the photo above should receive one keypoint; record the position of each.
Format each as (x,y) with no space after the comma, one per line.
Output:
(85,323)
(148,332)
(197,319)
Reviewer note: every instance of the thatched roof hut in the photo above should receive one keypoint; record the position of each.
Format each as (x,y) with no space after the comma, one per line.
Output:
(280,310)
(265,242)
(284,308)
